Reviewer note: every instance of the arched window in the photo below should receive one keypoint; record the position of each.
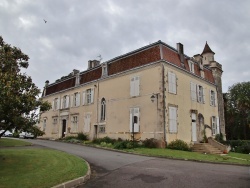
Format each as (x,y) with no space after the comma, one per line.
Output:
(103,109)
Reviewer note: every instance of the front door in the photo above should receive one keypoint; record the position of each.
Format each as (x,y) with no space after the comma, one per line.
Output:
(63,128)
(194,132)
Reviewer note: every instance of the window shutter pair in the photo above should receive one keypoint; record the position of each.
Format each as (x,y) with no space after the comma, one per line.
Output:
(135,86)
(172,119)
(86,123)
(134,118)
(172,82)
(193,91)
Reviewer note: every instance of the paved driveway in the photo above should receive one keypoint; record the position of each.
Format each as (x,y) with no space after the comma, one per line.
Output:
(115,169)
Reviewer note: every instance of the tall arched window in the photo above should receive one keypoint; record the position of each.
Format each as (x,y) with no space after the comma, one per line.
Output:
(103,109)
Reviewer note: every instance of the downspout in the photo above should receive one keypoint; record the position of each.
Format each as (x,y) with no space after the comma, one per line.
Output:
(164,96)
(97,110)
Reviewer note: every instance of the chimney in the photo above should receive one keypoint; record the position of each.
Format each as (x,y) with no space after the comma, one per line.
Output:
(76,73)
(44,90)
(180,51)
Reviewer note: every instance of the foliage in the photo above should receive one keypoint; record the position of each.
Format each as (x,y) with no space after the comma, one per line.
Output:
(82,136)
(104,144)
(125,144)
(237,111)
(105,139)
(150,143)
(178,145)
(219,137)
(205,139)
(19,102)
(239,146)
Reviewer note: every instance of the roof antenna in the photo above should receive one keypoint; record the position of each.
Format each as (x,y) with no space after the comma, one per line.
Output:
(100,57)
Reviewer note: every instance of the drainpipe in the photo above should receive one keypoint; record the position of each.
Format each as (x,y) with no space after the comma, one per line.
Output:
(164,95)
(97,108)
(164,103)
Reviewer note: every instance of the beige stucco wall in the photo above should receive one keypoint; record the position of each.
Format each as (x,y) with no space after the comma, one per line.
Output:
(116,91)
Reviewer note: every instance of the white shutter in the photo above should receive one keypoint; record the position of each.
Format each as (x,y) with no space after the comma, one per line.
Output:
(72,100)
(78,99)
(172,119)
(62,103)
(83,97)
(215,99)
(132,89)
(86,123)
(137,125)
(92,95)
(58,103)
(53,104)
(193,91)
(137,86)
(203,95)
(67,101)
(218,126)
(174,83)
(131,111)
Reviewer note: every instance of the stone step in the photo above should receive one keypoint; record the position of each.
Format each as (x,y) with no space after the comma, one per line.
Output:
(205,148)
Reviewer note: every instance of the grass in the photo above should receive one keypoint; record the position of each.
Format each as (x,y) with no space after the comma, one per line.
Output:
(40,168)
(5,142)
(177,154)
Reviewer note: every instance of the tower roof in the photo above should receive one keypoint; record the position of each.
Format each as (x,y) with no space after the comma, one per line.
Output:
(207,49)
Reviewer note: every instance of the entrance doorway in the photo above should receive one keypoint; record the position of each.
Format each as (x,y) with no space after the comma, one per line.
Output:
(63,128)
(194,130)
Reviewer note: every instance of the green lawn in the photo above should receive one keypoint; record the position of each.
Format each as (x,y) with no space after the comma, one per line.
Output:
(5,142)
(176,154)
(40,168)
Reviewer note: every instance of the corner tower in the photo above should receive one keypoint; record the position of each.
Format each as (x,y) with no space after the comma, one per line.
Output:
(208,60)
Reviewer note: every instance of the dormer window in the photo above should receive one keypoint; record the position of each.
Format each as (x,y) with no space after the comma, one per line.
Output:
(104,69)
(191,66)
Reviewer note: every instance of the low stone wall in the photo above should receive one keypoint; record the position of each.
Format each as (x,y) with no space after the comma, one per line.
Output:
(218,145)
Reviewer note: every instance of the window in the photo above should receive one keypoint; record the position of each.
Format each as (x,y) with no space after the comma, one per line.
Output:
(171,82)
(86,127)
(44,124)
(74,127)
(54,121)
(88,96)
(75,99)
(201,98)
(135,86)
(191,66)
(55,104)
(65,101)
(212,98)
(134,120)
(103,109)
(102,129)
(193,91)
(172,119)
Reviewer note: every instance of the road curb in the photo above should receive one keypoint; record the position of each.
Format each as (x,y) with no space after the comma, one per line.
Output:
(77,181)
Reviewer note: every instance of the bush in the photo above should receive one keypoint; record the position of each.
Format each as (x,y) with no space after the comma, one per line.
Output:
(240,146)
(150,143)
(219,137)
(105,139)
(82,136)
(125,144)
(178,145)
(16,135)
(69,137)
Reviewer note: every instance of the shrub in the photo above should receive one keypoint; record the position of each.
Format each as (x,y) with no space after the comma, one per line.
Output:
(69,137)
(240,146)
(82,136)
(178,145)
(150,143)
(125,144)
(105,139)
(219,137)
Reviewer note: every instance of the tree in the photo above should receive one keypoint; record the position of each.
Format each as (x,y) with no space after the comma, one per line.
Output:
(237,109)
(19,96)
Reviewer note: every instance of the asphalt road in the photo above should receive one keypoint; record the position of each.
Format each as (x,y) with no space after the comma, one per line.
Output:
(116,169)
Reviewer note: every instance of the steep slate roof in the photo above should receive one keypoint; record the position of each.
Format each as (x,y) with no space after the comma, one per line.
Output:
(207,49)
(137,58)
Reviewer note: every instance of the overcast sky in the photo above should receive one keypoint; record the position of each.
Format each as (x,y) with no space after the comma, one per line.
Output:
(79,30)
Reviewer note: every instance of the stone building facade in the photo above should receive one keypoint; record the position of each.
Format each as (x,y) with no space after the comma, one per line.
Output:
(153,92)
